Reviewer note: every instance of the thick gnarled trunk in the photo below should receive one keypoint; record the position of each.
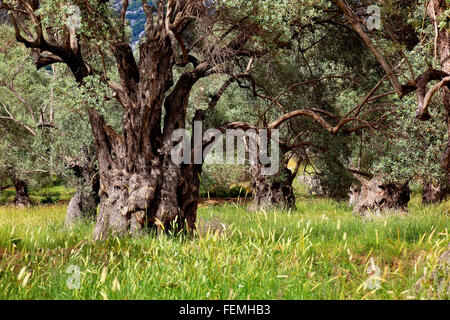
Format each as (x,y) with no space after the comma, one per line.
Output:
(375,196)
(22,198)
(434,193)
(272,191)
(133,202)
(140,186)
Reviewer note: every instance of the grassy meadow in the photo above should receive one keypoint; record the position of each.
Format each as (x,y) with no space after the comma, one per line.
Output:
(320,251)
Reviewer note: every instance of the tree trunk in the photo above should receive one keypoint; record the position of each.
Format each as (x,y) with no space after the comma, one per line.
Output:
(434,193)
(84,203)
(131,202)
(272,191)
(436,8)
(375,196)
(21,199)
(140,186)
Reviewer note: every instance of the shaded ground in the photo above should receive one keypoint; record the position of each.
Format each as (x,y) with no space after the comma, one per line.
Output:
(222,201)
(62,195)
(51,195)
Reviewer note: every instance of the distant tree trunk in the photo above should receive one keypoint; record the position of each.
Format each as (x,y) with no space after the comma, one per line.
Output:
(84,203)
(434,193)
(273,191)
(21,199)
(376,196)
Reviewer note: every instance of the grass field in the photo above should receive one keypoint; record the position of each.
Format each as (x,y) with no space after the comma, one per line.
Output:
(319,251)
(41,196)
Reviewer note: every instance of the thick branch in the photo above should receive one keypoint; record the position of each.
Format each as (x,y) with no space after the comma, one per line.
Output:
(422,111)
(353,19)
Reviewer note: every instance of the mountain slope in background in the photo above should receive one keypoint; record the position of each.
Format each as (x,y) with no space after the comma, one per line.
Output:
(136,16)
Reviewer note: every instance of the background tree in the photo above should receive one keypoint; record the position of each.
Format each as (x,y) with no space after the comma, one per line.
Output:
(25,119)
(399,39)
(73,147)
(322,77)
(42,139)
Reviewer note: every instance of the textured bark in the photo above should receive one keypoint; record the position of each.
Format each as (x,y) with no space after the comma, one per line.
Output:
(84,203)
(272,191)
(376,196)
(131,202)
(434,193)
(21,199)
(141,187)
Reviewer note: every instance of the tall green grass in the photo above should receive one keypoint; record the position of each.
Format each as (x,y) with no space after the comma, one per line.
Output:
(319,251)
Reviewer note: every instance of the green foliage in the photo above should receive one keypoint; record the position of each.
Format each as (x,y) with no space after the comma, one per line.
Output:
(75,134)
(38,154)
(334,179)
(224,180)
(405,148)
(414,148)
(23,92)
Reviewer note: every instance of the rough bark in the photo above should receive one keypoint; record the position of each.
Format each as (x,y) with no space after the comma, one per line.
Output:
(84,203)
(375,196)
(21,199)
(142,187)
(272,191)
(434,193)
